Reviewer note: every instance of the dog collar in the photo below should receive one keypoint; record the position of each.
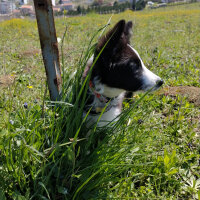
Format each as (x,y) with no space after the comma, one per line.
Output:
(98,95)
(102,99)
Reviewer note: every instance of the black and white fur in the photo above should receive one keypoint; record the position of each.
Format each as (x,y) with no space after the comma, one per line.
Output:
(118,69)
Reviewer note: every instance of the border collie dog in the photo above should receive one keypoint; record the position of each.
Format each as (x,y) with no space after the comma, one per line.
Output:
(118,69)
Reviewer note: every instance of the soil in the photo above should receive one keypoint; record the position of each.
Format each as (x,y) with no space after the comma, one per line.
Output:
(192,93)
(6,80)
(29,53)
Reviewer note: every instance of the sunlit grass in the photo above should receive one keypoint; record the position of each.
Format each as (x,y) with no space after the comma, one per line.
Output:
(153,151)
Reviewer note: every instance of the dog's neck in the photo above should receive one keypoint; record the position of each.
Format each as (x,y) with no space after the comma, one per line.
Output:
(102,97)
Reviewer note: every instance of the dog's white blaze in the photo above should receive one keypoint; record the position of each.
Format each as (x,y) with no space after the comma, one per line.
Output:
(149,78)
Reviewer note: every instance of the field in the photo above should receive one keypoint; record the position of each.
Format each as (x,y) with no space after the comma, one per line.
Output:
(152,153)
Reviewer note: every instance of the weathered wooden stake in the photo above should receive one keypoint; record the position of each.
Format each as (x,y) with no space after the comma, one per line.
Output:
(49,46)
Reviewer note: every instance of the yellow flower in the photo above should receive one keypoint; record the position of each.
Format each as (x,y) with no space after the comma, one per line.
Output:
(29,86)
(136,96)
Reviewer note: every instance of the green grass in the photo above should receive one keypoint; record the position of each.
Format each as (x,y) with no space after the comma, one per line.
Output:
(151,153)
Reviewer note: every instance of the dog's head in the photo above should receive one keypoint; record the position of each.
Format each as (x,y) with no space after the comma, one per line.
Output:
(119,66)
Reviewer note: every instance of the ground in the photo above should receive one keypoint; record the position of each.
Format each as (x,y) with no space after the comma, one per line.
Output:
(152,153)
(192,93)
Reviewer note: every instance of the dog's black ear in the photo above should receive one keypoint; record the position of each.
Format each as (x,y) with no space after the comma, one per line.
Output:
(112,38)
(128,31)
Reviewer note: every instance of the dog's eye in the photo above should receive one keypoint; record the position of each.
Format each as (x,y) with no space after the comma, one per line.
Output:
(134,66)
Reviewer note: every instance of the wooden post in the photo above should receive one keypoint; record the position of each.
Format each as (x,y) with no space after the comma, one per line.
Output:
(49,46)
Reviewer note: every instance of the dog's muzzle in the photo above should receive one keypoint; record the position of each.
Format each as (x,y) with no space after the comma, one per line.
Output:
(159,83)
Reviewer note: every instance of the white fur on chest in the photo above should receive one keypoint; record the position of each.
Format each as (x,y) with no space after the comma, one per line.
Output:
(106,118)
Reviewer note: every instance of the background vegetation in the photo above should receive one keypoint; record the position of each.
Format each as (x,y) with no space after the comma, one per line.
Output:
(152,153)
(101,9)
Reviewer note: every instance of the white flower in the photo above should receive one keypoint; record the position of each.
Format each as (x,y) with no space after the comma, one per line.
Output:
(58,39)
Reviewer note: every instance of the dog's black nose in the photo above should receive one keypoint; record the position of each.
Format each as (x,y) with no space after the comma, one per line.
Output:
(159,83)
